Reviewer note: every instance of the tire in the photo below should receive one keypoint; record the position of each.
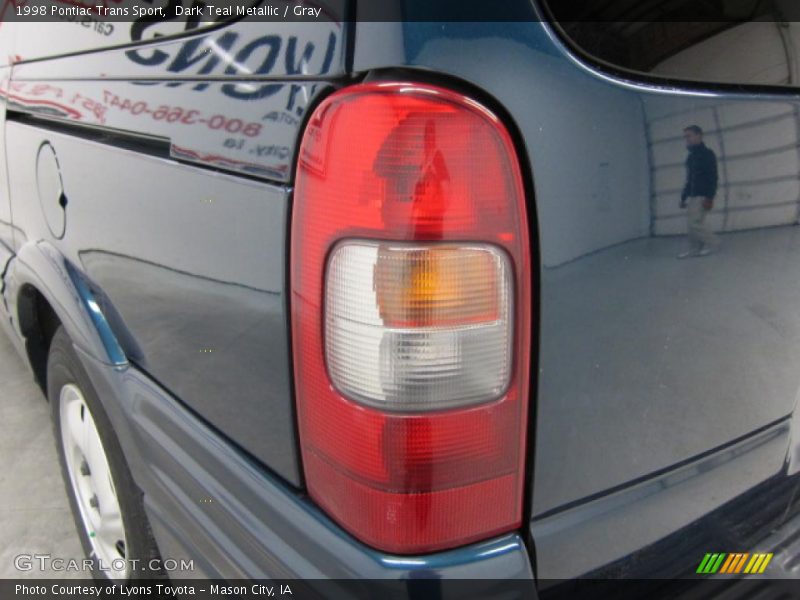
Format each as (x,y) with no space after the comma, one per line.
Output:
(106,504)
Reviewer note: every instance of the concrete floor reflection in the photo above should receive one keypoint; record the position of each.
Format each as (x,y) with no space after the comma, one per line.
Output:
(699,351)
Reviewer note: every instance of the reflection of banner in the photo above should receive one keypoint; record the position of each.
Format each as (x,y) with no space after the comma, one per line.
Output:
(72,25)
(257,138)
(53,27)
(232,98)
(242,50)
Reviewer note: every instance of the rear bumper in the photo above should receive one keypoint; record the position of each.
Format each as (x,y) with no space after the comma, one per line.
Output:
(209,503)
(725,499)
(784,545)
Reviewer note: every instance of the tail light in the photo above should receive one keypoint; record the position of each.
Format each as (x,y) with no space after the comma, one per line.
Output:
(410,317)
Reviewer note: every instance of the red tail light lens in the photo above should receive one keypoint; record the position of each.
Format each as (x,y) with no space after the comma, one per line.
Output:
(411,311)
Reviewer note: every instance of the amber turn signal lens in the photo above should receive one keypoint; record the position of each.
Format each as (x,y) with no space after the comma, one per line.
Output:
(437,286)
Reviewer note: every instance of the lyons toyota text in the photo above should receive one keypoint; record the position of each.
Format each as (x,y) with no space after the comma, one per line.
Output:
(161,589)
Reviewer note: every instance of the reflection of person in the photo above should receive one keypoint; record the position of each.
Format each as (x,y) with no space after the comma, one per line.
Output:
(698,193)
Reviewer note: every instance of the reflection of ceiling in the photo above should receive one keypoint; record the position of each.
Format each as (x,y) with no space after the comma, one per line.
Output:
(639,34)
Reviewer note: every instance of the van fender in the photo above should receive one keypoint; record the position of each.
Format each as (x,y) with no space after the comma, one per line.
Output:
(41,266)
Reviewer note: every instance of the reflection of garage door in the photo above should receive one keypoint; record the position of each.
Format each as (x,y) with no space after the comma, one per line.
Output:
(759,165)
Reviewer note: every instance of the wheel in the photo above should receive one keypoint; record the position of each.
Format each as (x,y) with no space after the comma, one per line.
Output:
(106,504)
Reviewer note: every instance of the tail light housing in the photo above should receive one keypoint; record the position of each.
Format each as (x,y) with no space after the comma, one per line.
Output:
(411,302)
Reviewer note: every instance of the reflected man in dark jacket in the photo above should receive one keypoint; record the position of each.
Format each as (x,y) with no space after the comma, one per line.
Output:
(698,193)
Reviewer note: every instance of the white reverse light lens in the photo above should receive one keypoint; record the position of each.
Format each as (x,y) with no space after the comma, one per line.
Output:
(416,327)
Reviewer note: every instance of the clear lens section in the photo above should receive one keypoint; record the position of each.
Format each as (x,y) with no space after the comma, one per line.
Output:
(418,327)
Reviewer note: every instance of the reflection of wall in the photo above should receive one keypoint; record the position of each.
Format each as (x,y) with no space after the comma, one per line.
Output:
(754,52)
(585,139)
(7,36)
(6,233)
(590,194)
(756,143)
(757,150)
(37,39)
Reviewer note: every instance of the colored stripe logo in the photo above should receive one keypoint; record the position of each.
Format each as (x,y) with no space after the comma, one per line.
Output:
(736,562)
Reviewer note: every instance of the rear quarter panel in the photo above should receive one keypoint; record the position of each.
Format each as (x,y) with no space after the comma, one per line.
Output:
(646,364)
